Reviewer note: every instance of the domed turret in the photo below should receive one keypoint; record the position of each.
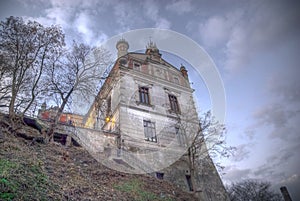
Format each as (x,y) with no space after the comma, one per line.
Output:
(183,72)
(122,47)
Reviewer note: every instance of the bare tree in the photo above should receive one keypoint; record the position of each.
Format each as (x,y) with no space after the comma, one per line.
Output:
(4,82)
(77,72)
(253,190)
(204,138)
(26,50)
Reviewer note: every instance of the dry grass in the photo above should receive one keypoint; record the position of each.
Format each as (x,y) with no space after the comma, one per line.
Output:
(55,172)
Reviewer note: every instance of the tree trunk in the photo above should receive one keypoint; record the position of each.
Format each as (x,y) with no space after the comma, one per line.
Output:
(192,169)
(57,117)
(53,125)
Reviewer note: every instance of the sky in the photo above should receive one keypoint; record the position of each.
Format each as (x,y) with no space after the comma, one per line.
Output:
(254,45)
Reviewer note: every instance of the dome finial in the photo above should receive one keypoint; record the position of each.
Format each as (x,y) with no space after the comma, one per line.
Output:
(122,46)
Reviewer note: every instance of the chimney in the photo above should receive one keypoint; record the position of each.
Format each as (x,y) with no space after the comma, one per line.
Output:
(285,194)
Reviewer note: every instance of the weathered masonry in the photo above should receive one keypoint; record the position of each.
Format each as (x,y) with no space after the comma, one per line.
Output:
(147,104)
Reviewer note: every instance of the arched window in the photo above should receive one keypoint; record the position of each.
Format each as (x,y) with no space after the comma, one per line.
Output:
(174,103)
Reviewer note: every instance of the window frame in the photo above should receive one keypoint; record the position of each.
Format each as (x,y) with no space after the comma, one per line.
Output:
(160,175)
(174,105)
(136,66)
(108,103)
(144,95)
(149,131)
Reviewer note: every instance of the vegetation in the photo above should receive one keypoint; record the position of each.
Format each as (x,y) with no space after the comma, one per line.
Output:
(204,138)
(27,50)
(135,188)
(36,65)
(42,172)
(19,180)
(77,71)
(253,190)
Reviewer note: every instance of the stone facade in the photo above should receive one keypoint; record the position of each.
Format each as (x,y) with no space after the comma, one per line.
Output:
(148,103)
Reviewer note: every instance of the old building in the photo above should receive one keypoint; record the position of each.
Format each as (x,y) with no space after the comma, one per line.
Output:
(48,114)
(148,104)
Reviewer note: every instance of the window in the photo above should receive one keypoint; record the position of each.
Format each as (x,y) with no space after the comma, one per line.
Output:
(149,130)
(108,102)
(144,95)
(189,182)
(159,175)
(174,103)
(136,66)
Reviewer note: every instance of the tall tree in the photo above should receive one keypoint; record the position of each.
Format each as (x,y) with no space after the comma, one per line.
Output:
(77,72)
(4,82)
(253,190)
(26,49)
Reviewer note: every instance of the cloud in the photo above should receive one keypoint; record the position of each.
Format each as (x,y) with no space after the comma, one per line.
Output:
(250,132)
(280,164)
(285,83)
(273,114)
(250,31)
(78,19)
(216,30)
(242,152)
(280,120)
(84,26)
(127,15)
(152,12)
(290,179)
(163,24)
(234,174)
(180,7)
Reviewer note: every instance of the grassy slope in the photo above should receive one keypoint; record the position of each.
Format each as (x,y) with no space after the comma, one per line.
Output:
(54,172)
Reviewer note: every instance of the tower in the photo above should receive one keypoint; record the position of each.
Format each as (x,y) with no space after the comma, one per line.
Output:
(147,103)
(122,47)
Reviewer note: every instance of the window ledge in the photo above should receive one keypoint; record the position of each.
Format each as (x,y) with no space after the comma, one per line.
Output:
(151,140)
(144,104)
(174,112)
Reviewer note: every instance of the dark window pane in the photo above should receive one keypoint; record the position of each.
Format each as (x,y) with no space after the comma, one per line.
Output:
(173,103)
(144,95)
(149,131)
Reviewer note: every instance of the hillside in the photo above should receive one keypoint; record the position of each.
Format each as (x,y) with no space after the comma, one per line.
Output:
(35,171)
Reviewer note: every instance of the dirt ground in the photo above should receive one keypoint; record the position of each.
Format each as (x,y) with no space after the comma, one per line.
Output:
(36,171)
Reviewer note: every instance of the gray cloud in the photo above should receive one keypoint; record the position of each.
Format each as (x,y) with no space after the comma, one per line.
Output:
(280,120)
(274,114)
(284,84)
(242,152)
(153,12)
(180,7)
(250,30)
(234,174)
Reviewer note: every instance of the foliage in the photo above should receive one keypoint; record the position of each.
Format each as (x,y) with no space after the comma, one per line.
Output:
(26,51)
(19,180)
(77,72)
(252,190)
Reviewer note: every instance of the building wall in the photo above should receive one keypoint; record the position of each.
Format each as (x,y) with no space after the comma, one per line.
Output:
(133,112)
(127,115)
